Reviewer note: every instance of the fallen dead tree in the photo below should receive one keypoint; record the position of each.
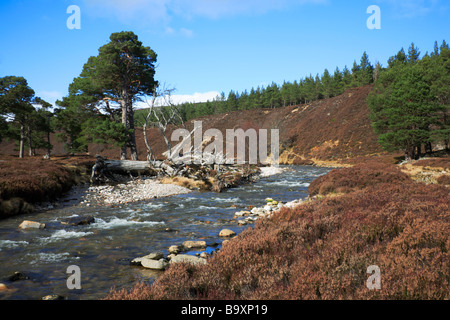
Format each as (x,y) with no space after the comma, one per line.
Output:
(212,176)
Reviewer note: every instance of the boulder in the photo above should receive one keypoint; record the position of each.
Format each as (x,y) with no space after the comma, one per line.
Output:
(17,276)
(31,225)
(194,244)
(136,261)
(187,258)
(155,255)
(174,249)
(160,264)
(152,256)
(227,233)
(79,221)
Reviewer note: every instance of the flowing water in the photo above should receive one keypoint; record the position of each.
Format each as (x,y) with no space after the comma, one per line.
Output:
(103,250)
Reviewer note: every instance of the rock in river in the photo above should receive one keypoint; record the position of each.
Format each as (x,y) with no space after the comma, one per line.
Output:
(194,244)
(79,221)
(227,233)
(160,264)
(174,249)
(187,258)
(31,225)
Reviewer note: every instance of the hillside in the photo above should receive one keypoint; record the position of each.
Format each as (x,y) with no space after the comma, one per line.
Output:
(330,129)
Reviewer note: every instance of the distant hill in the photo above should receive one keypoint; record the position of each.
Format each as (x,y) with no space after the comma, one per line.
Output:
(330,129)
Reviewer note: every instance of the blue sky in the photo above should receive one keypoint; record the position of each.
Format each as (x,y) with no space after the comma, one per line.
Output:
(208,46)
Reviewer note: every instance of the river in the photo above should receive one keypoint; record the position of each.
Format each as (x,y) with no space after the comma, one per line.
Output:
(103,250)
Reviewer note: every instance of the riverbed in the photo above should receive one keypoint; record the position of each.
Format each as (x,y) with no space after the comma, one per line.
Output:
(123,231)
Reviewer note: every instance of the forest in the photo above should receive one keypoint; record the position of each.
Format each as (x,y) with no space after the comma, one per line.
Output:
(409,104)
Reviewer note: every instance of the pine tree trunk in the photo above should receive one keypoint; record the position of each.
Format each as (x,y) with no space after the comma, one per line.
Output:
(133,146)
(428,148)
(30,145)
(409,153)
(123,150)
(22,140)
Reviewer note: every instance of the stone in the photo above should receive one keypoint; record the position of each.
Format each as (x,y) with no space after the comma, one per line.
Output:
(227,233)
(3,287)
(79,221)
(187,258)
(239,213)
(257,211)
(194,244)
(155,256)
(160,264)
(136,261)
(170,256)
(31,225)
(174,249)
(204,255)
(53,297)
(18,276)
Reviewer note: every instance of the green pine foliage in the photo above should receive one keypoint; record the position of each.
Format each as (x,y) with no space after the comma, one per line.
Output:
(410,102)
(308,89)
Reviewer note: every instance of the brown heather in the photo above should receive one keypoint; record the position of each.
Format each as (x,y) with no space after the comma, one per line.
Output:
(32,180)
(358,177)
(321,249)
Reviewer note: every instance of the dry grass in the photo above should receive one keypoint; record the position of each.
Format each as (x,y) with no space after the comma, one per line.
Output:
(31,180)
(185,182)
(357,177)
(322,249)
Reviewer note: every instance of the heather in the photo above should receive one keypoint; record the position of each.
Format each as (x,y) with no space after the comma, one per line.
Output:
(33,180)
(322,248)
(360,176)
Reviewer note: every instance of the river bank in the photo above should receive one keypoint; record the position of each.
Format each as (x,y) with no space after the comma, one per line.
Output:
(114,235)
(372,213)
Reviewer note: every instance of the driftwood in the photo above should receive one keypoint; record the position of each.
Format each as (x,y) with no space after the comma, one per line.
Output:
(107,170)
(104,170)
(216,176)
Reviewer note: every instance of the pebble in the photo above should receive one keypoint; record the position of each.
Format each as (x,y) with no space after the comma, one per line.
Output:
(133,191)
(265,211)
(53,297)
(174,249)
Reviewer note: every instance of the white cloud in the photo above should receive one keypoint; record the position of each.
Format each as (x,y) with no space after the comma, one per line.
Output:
(181,98)
(50,96)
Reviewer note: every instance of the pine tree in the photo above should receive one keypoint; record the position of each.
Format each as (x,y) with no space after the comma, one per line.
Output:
(403,109)
(413,54)
(365,72)
(327,89)
(16,98)
(121,73)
